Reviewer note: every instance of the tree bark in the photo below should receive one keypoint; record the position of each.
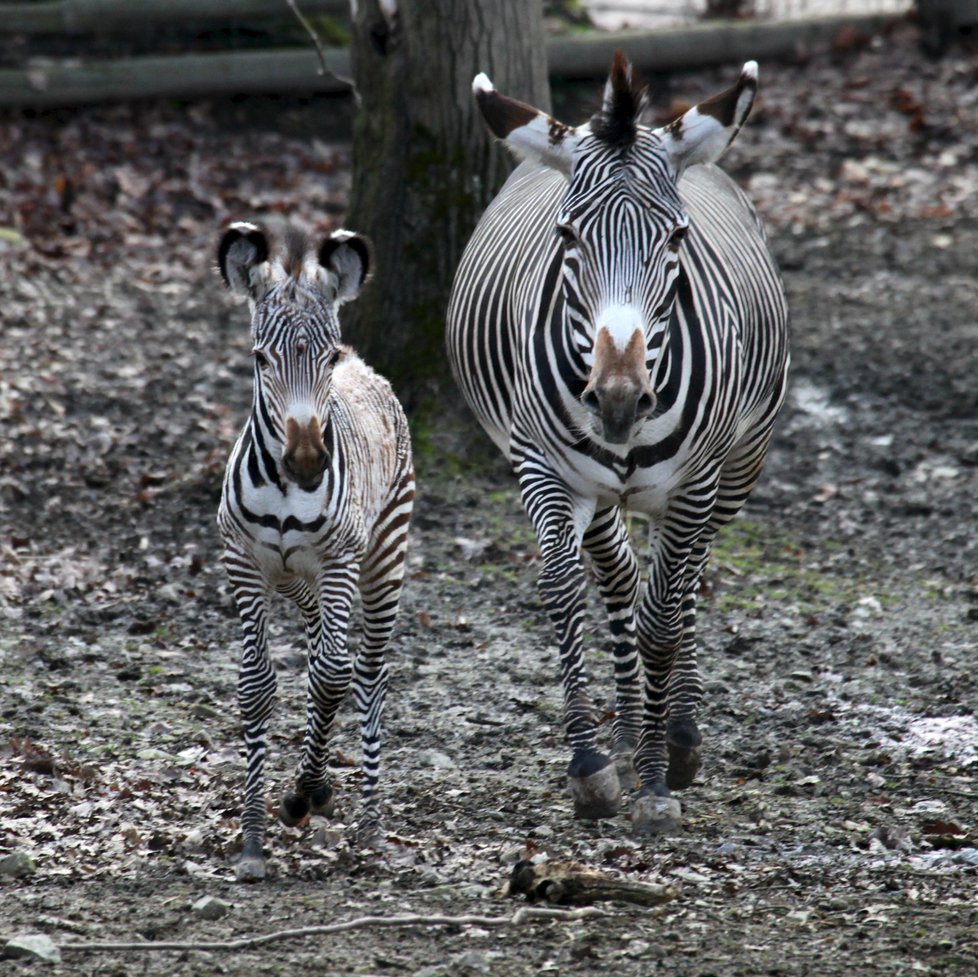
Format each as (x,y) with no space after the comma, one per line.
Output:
(424,166)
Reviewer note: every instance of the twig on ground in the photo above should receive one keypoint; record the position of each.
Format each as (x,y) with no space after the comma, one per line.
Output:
(324,68)
(521,916)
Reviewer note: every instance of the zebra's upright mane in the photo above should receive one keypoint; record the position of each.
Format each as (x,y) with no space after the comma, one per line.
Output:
(624,101)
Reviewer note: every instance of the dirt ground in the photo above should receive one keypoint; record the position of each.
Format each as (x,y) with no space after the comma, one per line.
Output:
(833,828)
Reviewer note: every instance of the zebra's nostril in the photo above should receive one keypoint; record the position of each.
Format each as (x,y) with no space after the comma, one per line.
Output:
(591,401)
(645,405)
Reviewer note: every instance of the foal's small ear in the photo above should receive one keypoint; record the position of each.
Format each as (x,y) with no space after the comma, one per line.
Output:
(241,255)
(345,258)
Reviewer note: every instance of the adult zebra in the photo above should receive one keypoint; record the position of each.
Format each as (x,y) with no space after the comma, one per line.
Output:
(316,504)
(619,328)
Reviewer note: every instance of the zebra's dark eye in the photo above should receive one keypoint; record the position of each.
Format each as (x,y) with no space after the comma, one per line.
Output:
(677,238)
(567,233)
(260,360)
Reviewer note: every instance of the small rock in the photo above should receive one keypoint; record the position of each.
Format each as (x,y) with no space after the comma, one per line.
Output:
(541,831)
(968,856)
(437,760)
(17,865)
(471,962)
(34,945)
(510,856)
(210,907)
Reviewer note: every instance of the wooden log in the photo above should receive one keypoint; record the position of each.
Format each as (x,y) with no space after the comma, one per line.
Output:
(296,70)
(703,45)
(293,71)
(569,884)
(84,16)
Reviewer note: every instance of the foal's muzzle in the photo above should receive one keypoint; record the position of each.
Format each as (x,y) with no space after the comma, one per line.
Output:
(305,457)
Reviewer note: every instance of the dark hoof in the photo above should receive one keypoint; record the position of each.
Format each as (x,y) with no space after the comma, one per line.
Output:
(293,809)
(595,788)
(322,802)
(684,762)
(250,868)
(655,815)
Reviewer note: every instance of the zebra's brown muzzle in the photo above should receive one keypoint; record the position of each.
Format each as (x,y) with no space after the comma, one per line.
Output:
(305,455)
(619,391)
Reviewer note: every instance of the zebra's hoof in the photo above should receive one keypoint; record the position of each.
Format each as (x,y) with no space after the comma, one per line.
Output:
(293,809)
(250,868)
(655,815)
(322,802)
(596,792)
(684,762)
(623,755)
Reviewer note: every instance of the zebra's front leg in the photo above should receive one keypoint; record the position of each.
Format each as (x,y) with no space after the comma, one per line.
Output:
(669,749)
(256,694)
(618,578)
(330,672)
(560,520)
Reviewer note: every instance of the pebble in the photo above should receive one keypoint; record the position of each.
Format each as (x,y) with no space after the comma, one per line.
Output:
(541,831)
(34,945)
(17,865)
(438,760)
(210,907)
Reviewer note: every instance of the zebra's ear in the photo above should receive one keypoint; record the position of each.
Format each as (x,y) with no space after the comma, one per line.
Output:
(344,258)
(528,132)
(705,131)
(242,257)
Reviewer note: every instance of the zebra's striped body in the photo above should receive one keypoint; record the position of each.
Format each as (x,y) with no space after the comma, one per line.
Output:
(622,337)
(316,504)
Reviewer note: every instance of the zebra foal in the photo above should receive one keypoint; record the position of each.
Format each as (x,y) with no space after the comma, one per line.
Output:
(316,504)
(619,328)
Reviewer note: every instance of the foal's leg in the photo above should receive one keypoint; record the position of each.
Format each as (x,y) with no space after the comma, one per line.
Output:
(381,579)
(256,694)
(330,672)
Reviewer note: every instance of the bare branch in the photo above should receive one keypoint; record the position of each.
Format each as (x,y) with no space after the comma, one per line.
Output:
(324,69)
(528,914)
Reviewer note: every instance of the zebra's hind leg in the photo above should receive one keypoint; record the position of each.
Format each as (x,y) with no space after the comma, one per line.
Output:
(560,521)
(617,574)
(381,579)
(256,694)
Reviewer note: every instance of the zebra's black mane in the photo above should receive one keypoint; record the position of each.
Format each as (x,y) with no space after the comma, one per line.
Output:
(615,123)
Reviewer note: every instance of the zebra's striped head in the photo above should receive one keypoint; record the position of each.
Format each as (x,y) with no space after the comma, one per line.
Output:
(294,299)
(620,226)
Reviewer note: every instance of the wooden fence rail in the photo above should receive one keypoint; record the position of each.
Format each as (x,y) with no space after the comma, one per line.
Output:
(46,82)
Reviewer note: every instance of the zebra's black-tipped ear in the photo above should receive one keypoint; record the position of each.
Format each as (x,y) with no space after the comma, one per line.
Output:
(243,248)
(345,258)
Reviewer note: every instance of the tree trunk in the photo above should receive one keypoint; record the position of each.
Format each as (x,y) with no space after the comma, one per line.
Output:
(424,166)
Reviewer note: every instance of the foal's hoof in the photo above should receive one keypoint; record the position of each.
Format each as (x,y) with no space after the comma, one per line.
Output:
(594,787)
(684,762)
(655,815)
(370,833)
(295,806)
(250,868)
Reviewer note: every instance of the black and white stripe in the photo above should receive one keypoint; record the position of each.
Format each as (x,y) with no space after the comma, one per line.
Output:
(619,328)
(316,505)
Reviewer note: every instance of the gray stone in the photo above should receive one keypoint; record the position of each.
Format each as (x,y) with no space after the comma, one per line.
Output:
(17,864)
(210,907)
(34,945)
